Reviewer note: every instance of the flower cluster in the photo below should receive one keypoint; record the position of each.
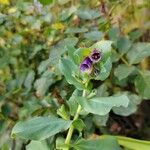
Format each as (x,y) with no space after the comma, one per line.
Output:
(87,64)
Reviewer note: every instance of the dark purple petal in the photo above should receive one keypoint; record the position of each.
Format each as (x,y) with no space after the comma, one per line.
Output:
(96,56)
(86,65)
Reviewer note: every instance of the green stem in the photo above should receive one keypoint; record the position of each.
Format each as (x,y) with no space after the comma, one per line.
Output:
(124,60)
(71,129)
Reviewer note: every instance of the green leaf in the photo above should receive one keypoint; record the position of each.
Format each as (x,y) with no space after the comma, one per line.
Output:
(109,143)
(114,33)
(100,120)
(78,124)
(37,145)
(92,93)
(76,30)
(73,105)
(62,111)
(6,110)
(122,71)
(35,49)
(71,53)
(138,52)
(4,61)
(80,54)
(136,34)
(20,79)
(115,56)
(104,46)
(45,2)
(131,143)
(60,143)
(123,44)
(43,66)
(94,35)
(40,128)
(61,48)
(102,90)
(134,101)
(142,84)
(70,71)
(102,105)
(66,13)
(42,84)
(88,14)
(29,80)
(105,69)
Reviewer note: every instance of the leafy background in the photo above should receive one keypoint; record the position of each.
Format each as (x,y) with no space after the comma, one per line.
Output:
(33,38)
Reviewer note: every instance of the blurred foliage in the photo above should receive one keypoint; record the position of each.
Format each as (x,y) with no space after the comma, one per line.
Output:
(33,38)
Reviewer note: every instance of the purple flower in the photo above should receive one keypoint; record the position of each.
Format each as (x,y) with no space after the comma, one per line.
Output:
(96,56)
(86,65)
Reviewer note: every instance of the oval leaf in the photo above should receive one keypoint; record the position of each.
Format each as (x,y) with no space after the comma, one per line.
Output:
(131,143)
(108,143)
(122,71)
(138,52)
(142,84)
(102,105)
(70,70)
(40,128)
